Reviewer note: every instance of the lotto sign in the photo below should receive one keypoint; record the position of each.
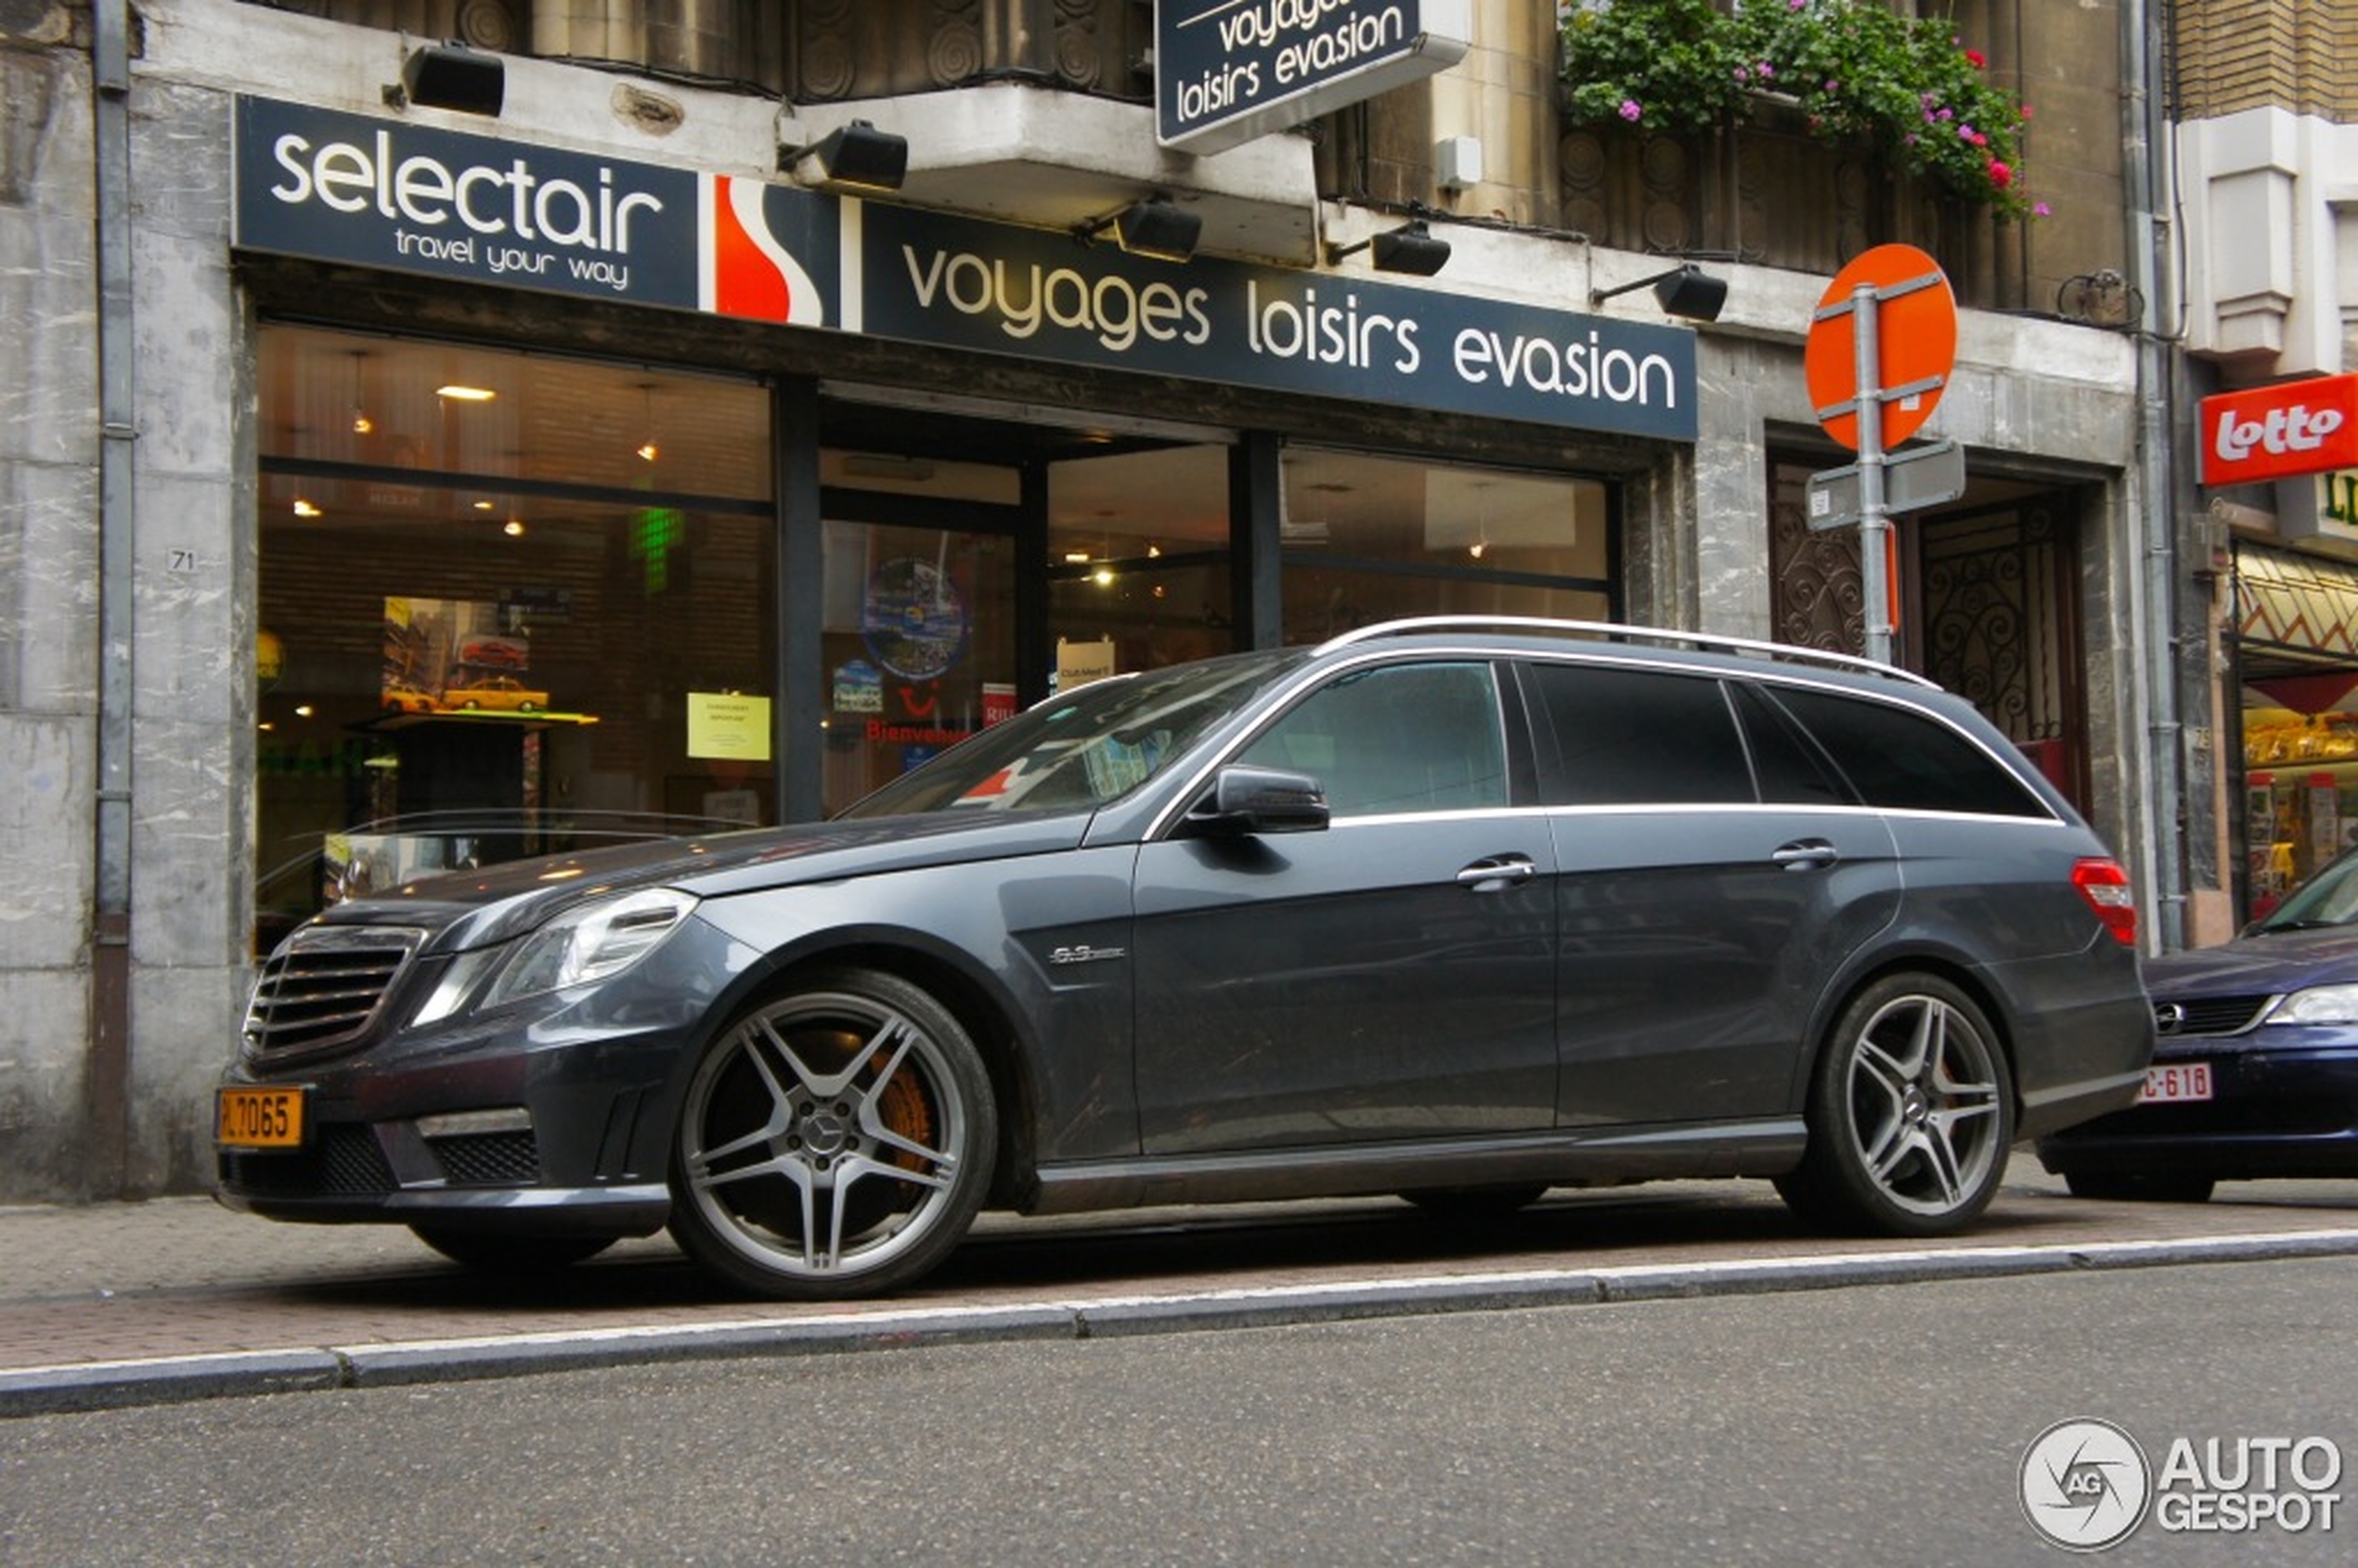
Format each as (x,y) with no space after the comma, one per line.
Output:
(2279,432)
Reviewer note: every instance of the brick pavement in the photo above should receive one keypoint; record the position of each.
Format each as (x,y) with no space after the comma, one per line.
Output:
(96,1287)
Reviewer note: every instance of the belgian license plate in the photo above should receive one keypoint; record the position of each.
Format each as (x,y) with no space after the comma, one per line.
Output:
(2179,1080)
(259,1118)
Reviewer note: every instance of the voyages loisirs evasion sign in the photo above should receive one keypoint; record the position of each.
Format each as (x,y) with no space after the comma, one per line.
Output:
(400,197)
(1228,71)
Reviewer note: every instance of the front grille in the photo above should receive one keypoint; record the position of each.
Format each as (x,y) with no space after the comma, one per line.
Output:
(2208,1014)
(342,1160)
(323,987)
(488,1158)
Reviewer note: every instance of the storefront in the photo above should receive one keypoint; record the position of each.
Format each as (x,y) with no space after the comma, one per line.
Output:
(879,477)
(2295,668)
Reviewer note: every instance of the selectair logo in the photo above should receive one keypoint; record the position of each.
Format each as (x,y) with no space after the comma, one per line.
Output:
(2280,431)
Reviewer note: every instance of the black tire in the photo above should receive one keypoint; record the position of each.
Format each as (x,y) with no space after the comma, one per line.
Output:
(834,1141)
(2141,1188)
(493,1253)
(1911,1114)
(1475,1202)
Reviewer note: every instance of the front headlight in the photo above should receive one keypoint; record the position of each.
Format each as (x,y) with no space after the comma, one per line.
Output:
(592,942)
(2319,1004)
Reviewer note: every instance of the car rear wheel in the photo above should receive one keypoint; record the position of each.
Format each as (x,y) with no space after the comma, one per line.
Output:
(1911,1114)
(834,1142)
(493,1253)
(2140,1188)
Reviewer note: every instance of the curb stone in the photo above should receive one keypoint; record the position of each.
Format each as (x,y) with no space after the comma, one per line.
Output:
(173,1379)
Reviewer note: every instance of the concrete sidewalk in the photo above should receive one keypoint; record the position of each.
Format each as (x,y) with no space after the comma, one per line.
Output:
(178,1298)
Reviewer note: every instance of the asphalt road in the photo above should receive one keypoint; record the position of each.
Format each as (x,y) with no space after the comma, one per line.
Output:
(1833,1428)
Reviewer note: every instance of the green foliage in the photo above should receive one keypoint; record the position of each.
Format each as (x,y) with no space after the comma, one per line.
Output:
(1856,67)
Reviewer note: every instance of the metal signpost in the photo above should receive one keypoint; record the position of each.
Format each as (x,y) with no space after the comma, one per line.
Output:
(1880,345)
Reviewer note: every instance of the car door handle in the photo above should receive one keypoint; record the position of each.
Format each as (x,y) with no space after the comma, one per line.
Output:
(1806,854)
(1497,871)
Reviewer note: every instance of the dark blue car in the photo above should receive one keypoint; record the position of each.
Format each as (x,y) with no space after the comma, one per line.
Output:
(1454,909)
(2255,1070)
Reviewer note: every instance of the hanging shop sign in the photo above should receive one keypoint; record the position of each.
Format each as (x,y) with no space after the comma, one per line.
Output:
(405,197)
(1228,71)
(2280,431)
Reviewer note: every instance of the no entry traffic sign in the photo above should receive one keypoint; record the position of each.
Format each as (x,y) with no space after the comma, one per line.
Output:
(1915,341)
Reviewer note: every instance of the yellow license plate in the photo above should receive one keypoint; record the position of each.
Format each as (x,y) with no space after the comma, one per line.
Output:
(259,1118)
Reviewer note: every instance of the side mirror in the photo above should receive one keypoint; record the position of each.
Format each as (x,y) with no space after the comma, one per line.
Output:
(1249,800)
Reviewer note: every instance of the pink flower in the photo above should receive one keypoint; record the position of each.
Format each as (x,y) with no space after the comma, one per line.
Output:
(1744,73)
(1978,140)
(1630,109)
(2039,210)
(1833,85)
(1765,71)
(1976,59)
(2000,176)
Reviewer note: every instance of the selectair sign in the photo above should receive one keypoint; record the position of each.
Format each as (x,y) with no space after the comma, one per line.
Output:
(399,197)
(1228,71)
(2281,431)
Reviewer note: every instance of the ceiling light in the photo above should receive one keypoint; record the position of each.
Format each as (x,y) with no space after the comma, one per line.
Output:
(1686,291)
(1410,249)
(458,392)
(304,509)
(1157,226)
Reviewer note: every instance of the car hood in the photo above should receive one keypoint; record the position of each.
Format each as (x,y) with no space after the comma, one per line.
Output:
(472,908)
(2259,965)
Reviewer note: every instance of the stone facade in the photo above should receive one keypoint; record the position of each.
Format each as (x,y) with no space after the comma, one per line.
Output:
(2037,400)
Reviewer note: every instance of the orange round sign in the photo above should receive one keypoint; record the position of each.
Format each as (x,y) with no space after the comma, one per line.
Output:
(1915,342)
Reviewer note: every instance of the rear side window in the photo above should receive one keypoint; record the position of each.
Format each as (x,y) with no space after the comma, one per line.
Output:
(1414,737)
(1902,760)
(1789,769)
(1632,737)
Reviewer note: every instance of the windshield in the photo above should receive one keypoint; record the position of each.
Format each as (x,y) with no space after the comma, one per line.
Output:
(2330,897)
(1081,749)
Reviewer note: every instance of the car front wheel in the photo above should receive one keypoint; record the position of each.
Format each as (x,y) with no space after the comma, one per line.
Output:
(1911,1114)
(834,1142)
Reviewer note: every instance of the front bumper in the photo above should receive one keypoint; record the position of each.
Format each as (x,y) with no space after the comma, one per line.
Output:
(548,1117)
(2280,1108)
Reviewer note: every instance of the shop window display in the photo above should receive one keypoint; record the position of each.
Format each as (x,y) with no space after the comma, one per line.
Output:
(504,593)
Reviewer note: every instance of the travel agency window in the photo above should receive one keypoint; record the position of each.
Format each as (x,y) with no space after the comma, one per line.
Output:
(509,604)
(1138,559)
(1369,538)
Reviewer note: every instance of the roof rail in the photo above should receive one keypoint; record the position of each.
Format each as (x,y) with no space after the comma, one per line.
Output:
(1612,631)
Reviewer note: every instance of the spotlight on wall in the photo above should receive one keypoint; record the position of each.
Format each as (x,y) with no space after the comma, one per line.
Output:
(1685,291)
(852,156)
(1154,226)
(1411,249)
(451,76)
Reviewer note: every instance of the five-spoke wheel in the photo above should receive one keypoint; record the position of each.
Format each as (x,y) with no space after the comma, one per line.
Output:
(1910,1113)
(834,1142)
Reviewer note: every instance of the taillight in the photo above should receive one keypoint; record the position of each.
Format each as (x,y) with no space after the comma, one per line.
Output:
(2105,887)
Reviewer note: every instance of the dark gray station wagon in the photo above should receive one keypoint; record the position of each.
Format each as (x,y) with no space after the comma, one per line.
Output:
(1454,909)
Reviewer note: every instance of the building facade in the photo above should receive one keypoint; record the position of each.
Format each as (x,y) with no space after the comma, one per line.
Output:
(2264,135)
(399,474)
